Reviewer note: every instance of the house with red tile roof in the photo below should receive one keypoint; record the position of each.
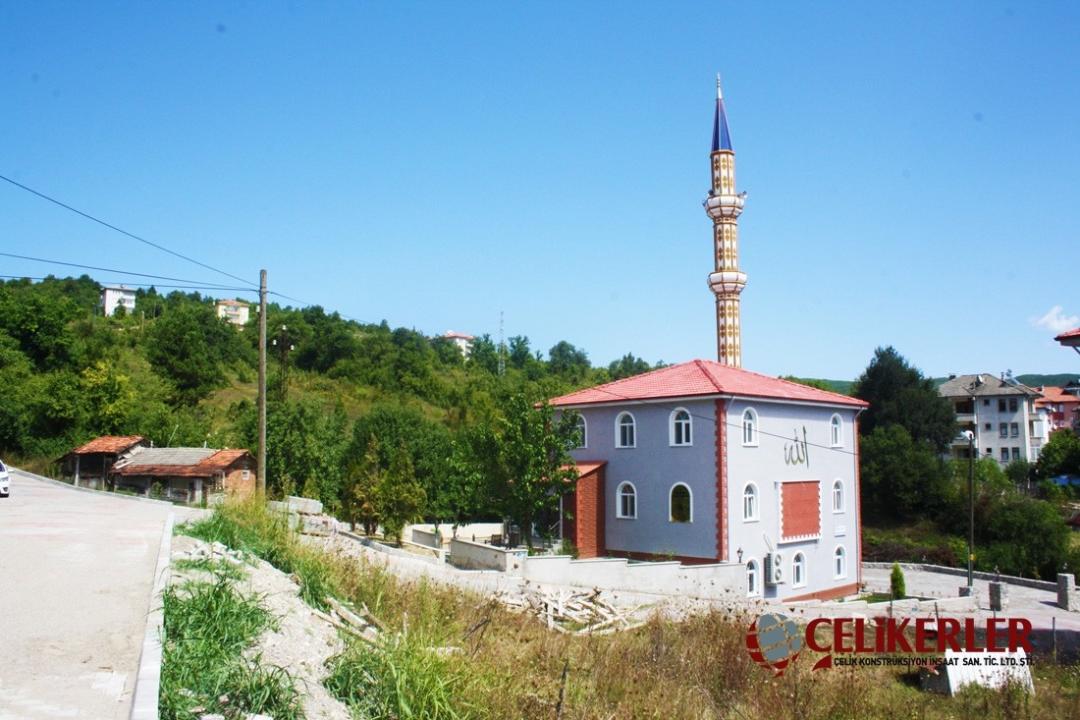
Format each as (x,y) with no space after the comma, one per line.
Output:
(1062,408)
(1071,339)
(705,462)
(89,465)
(188,475)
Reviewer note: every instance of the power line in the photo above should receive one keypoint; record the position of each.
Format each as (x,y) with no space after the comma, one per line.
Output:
(207,285)
(298,301)
(131,235)
(128,282)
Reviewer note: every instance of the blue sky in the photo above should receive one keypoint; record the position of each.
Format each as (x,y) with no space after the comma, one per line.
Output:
(911,168)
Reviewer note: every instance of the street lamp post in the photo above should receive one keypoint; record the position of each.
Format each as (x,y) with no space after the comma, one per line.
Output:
(971,510)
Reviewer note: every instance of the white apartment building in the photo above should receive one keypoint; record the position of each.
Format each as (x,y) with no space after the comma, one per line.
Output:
(1001,412)
(115,296)
(234,311)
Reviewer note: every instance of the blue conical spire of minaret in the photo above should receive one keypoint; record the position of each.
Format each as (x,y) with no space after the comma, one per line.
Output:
(721,136)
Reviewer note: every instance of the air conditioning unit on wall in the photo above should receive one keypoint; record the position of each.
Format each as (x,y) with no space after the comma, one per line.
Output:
(774,569)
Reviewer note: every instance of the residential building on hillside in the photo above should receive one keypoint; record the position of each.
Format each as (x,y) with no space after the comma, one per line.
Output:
(705,462)
(1062,408)
(185,474)
(461,340)
(89,465)
(117,296)
(1001,412)
(234,311)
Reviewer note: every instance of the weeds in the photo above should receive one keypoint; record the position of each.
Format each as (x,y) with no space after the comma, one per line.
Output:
(208,626)
(214,567)
(511,666)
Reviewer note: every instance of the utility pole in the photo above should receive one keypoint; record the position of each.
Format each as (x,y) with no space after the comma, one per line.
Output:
(971,511)
(261,474)
(502,347)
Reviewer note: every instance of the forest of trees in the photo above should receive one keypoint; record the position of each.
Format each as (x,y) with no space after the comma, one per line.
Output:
(349,404)
(383,424)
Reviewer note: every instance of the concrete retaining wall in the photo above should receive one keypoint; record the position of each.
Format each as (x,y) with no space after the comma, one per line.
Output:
(476,556)
(424,533)
(962,572)
(699,581)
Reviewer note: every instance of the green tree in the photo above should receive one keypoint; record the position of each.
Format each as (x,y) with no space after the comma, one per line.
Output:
(899,395)
(189,345)
(568,361)
(897,587)
(627,366)
(361,501)
(400,497)
(901,479)
(525,456)
(1060,455)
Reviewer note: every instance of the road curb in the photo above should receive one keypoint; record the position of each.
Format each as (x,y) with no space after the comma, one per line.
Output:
(99,493)
(144,705)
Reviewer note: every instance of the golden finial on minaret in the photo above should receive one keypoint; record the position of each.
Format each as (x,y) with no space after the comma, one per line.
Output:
(724,206)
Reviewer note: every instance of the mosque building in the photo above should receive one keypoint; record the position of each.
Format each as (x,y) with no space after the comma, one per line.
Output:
(705,462)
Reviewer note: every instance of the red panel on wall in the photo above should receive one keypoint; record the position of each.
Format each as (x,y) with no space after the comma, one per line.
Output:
(801,509)
(583,520)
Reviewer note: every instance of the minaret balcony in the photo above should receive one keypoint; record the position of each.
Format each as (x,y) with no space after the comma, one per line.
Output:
(727,282)
(725,206)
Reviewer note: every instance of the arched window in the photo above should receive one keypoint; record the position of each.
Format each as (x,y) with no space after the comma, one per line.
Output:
(582,432)
(838,496)
(752,587)
(836,431)
(798,570)
(749,427)
(681,504)
(839,562)
(750,502)
(626,502)
(680,427)
(625,437)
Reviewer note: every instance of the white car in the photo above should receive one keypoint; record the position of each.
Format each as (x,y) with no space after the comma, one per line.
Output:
(5,480)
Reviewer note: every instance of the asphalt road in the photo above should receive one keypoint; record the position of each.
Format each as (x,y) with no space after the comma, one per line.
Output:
(76,572)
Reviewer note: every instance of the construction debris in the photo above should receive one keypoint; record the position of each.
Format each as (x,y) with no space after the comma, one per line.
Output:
(213,552)
(568,611)
(305,515)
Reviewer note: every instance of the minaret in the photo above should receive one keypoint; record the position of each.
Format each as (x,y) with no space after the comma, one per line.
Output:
(724,206)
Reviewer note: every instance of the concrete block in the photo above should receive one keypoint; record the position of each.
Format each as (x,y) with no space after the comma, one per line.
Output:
(1067,596)
(315,524)
(277,506)
(304,506)
(999,596)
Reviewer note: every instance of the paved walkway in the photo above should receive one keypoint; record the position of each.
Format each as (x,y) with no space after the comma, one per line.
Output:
(76,570)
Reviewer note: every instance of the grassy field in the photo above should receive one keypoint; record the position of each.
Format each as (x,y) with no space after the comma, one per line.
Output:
(511,666)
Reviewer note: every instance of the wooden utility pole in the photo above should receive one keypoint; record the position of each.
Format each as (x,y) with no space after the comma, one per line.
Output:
(261,474)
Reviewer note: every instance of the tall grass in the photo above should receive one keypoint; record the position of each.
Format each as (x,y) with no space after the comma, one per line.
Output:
(207,627)
(510,666)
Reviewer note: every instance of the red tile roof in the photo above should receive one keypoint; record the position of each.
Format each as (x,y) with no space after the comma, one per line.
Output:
(210,466)
(1054,395)
(108,444)
(704,378)
(1069,335)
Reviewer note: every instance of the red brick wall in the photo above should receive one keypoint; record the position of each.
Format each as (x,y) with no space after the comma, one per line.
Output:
(802,509)
(586,505)
(721,482)
(234,482)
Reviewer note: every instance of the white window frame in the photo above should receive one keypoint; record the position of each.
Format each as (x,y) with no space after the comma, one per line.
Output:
(839,557)
(583,424)
(689,435)
(753,577)
(836,431)
(619,497)
(754,429)
(618,429)
(756,515)
(840,507)
(671,493)
(798,570)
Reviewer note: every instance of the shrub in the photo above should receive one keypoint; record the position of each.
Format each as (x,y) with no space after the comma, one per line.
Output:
(896,583)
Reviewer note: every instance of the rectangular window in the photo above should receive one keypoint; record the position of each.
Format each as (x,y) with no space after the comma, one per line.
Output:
(1001,404)
(1014,429)
(1016,453)
(986,401)
(1004,454)
(1013,405)
(1003,429)
(988,427)
(989,451)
